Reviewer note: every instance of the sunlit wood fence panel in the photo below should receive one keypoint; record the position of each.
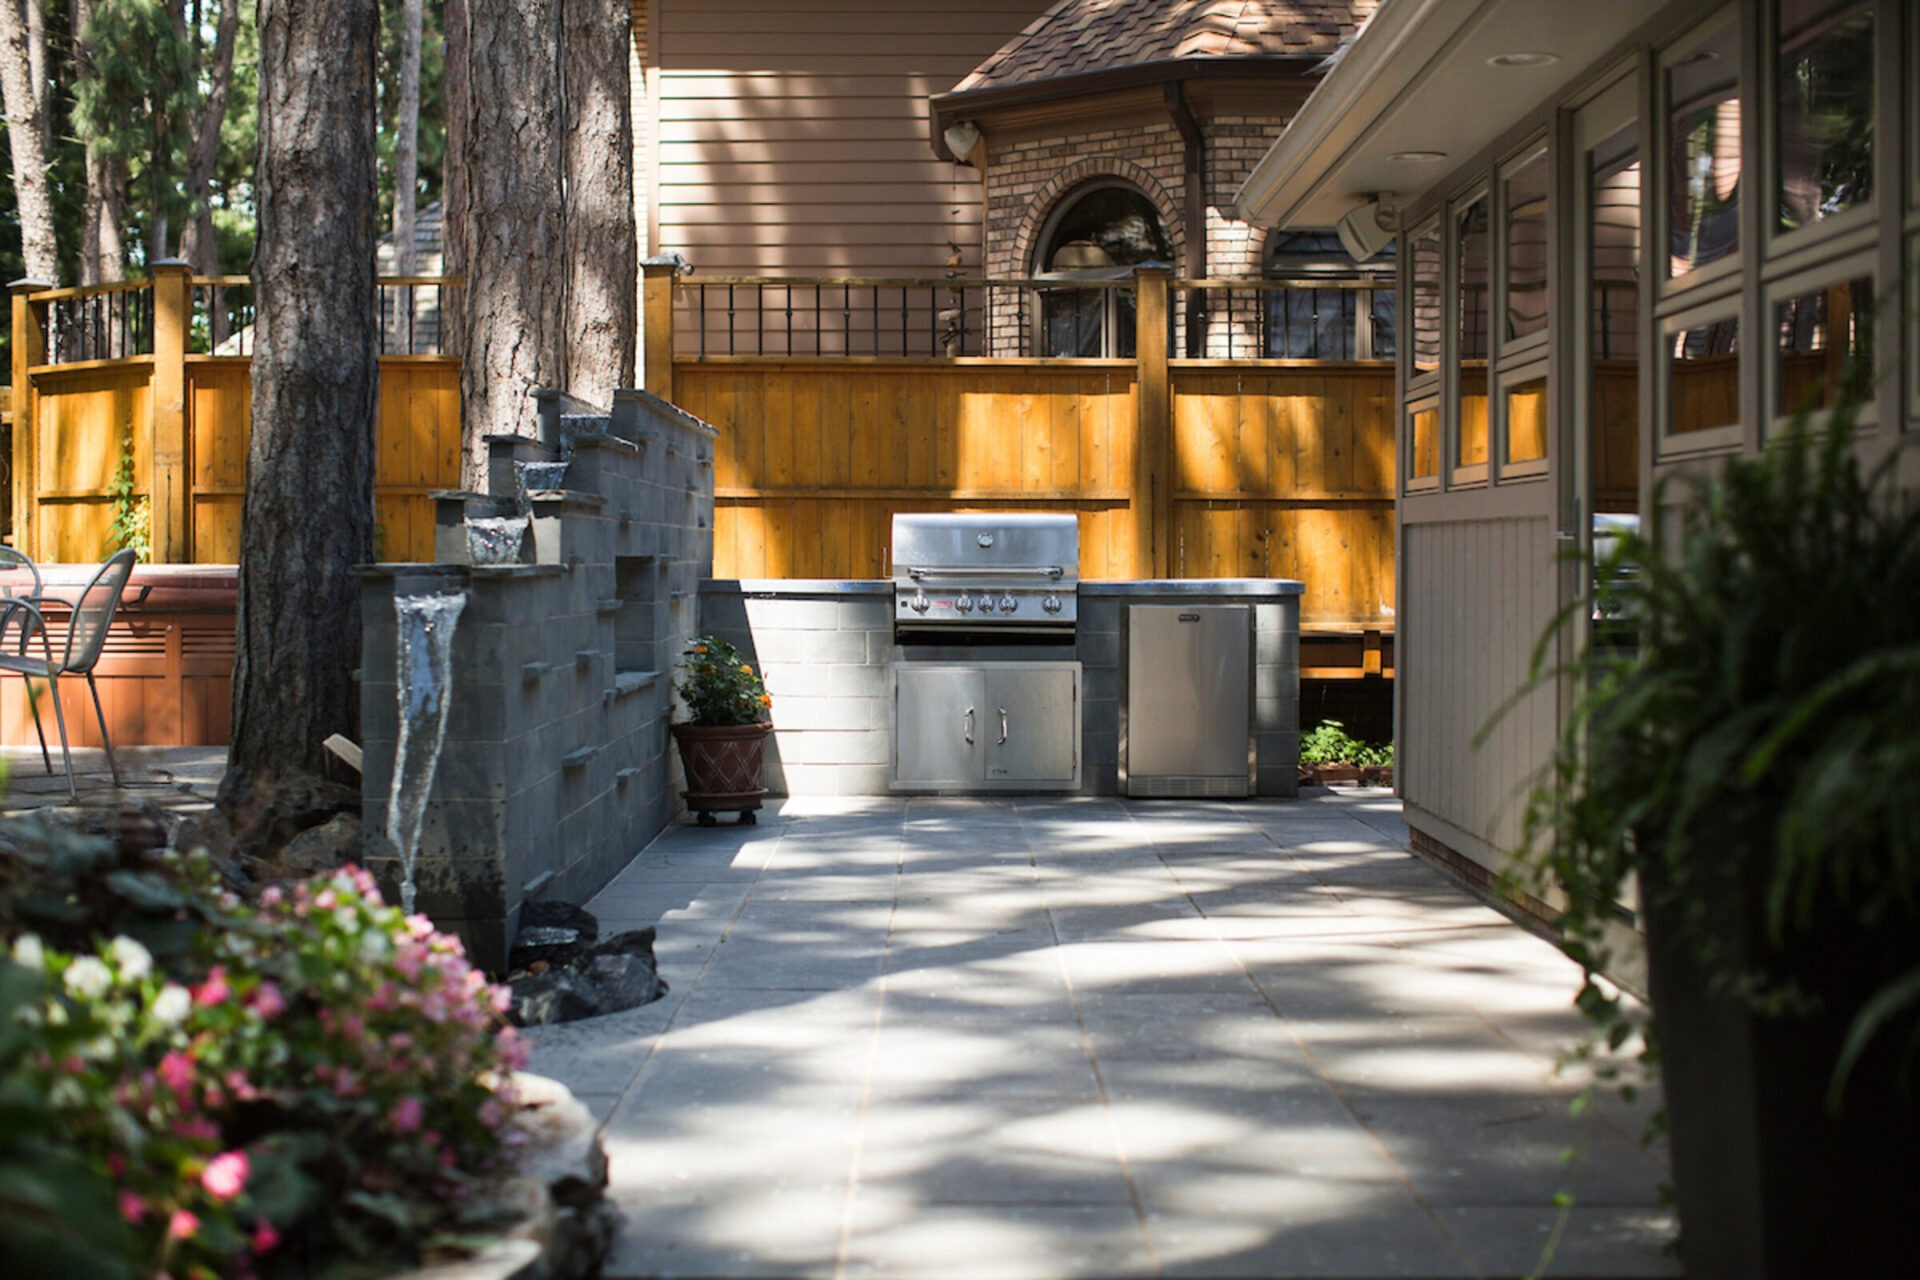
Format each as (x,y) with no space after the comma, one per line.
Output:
(1278,470)
(183,418)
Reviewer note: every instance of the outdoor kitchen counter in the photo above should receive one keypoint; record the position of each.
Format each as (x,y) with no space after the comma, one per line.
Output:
(828,647)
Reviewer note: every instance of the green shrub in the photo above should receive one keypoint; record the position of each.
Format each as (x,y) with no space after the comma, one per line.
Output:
(1329,743)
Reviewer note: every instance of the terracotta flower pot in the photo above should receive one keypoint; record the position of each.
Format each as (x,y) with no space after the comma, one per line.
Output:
(722,765)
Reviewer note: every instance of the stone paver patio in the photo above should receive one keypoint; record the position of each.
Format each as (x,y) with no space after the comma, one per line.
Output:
(1053,1038)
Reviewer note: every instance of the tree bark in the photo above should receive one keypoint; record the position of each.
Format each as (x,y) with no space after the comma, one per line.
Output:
(308,516)
(198,243)
(22,54)
(516,264)
(406,145)
(453,178)
(602,252)
(103,198)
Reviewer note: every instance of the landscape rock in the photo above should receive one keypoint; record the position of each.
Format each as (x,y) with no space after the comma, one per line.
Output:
(618,973)
(265,814)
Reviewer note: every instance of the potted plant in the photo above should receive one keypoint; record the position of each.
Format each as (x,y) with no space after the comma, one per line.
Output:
(723,740)
(1328,754)
(1747,769)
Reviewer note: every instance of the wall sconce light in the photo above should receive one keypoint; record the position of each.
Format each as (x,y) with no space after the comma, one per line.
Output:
(961,137)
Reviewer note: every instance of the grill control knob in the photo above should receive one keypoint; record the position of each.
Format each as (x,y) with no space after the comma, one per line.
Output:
(1051,604)
(1008,604)
(964,604)
(920,604)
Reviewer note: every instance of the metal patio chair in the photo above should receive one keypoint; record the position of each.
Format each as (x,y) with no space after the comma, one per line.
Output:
(89,615)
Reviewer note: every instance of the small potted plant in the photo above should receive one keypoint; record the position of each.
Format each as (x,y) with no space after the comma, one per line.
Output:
(724,737)
(1329,754)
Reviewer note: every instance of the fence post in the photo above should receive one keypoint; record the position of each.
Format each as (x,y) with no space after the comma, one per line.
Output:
(1153,451)
(167,478)
(656,304)
(29,349)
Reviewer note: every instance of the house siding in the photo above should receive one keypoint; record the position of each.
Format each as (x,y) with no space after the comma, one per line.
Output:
(792,140)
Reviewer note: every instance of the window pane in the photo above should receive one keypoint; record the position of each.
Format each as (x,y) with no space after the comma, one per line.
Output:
(1476,276)
(1426,301)
(1826,109)
(1473,415)
(1703,153)
(1703,375)
(1825,347)
(1613,293)
(1072,320)
(1527,249)
(1425,430)
(1527,421)
(1383,321)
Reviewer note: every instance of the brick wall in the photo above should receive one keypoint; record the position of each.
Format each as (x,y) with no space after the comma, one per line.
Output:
(1027,179)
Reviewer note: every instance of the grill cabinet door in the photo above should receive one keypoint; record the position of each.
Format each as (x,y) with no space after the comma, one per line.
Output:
(1036,706)
(932,725)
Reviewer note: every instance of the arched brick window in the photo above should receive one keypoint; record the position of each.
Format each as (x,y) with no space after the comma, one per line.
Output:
(1089,244)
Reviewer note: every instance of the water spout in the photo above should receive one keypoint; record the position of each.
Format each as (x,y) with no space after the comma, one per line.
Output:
(422,671)
(495,540)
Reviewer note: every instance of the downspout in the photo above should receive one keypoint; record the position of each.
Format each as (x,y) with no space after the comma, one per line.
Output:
(1196,212)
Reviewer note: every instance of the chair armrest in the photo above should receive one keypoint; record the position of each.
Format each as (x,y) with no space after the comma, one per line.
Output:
(24,612)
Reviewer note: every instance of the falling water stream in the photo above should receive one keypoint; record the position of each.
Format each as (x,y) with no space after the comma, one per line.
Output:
(422,672)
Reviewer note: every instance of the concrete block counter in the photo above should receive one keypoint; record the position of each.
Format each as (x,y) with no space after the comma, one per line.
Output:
(831,658)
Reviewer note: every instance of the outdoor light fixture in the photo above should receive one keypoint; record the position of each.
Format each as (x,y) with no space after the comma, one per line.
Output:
(961,138)
(1368,228)
(1532,59)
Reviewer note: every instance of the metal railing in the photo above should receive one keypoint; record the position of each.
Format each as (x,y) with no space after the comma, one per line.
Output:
(99,322)
(117,321)
(908,318)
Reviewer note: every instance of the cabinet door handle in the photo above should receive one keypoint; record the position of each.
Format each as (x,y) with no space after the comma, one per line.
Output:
(1003,728)
(966,726)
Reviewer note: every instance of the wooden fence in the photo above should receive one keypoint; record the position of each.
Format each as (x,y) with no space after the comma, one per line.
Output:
(1181,469)
(139,393)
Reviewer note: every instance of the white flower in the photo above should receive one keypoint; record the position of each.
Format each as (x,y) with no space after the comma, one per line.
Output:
(134,960)
(28,953)
(89,976)
(171,1006)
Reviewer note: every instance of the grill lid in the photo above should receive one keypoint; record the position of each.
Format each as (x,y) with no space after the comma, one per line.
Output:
(997,570)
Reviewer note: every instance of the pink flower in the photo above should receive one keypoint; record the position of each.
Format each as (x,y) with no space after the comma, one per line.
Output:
(268,1002)
(225,1175)
(132,1207)
(182,1225)
(176,1069)
(241,1087)
(326,900)
(214,990)
(272,896)
(264,1236)
(345,1083)
(406,1114)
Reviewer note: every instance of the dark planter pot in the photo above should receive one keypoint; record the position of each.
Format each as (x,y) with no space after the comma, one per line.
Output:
(722,765)
(1768,1183)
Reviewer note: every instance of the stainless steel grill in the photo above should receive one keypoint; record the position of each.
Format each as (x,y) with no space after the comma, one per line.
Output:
(996,573)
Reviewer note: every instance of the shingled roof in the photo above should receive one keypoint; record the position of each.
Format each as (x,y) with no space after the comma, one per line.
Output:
(1085,37)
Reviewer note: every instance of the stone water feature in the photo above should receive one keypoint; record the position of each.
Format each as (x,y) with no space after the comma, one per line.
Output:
(581,583)
(423,671)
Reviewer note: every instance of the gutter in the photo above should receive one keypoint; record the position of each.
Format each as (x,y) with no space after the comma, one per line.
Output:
(1195,181)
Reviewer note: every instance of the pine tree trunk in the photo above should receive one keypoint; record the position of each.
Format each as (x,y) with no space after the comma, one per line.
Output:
(22,54)
(406,144)
(103,197)
(308,518)
(198,243)
(453,178)
(516,255)
(603,256)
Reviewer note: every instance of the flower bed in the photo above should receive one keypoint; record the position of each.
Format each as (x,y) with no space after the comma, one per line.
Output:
(198,1086)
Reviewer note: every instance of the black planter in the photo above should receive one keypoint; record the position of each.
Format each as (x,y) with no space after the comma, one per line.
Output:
(1768,1183)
